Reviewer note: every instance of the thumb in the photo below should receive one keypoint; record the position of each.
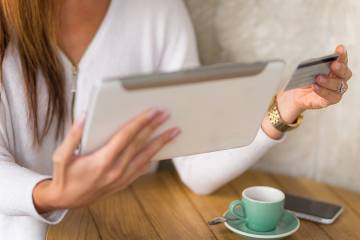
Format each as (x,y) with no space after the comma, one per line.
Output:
(343,56)
(72,140)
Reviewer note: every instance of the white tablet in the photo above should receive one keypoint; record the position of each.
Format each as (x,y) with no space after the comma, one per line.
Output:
(216,107)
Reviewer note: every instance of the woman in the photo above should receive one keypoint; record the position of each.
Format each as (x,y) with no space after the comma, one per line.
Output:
(50,51)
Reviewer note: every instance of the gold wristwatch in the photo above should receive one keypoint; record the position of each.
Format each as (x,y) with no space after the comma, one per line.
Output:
(278,122)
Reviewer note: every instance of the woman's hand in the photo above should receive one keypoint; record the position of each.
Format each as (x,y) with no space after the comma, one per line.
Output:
(78,181)
(323,93)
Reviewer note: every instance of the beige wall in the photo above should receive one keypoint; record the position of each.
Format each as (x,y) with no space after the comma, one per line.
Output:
(327,146)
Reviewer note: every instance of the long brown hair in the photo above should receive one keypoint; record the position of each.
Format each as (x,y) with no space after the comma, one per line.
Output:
(31,26)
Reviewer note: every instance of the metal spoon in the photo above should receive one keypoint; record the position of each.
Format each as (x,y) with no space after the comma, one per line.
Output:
(218,220)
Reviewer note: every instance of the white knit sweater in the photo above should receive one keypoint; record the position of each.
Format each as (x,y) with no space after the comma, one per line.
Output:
(136,36)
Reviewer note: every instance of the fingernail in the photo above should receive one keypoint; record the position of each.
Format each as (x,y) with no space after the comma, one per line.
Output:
(152,113)
(81,120)
(316,87)
(174,133)
(321,79)
(342,48)
(164,116)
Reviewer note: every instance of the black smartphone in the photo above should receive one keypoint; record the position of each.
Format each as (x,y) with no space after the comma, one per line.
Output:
(312,210)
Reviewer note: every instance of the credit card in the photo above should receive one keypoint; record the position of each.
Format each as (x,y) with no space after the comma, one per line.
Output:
(307,71)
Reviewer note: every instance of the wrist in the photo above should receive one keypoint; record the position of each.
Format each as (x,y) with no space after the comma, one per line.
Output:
(288,109)
(283,111)
(270,130)
(44,197)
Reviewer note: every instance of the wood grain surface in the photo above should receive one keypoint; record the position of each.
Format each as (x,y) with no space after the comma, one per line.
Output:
(159,206)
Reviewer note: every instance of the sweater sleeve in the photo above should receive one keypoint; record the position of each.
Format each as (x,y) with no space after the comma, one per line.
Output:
(16,182)
(204,173)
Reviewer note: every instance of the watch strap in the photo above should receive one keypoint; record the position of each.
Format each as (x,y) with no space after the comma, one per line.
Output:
(278,122)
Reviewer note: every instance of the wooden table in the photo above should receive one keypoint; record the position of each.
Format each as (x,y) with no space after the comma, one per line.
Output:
(158,206)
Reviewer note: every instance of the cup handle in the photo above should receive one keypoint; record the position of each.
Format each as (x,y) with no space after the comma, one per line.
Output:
(236,208)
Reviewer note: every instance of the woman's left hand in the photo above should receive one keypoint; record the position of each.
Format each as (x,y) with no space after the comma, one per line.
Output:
(324,92)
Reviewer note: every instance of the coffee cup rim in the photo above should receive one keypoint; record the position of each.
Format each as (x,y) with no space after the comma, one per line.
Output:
(259,201)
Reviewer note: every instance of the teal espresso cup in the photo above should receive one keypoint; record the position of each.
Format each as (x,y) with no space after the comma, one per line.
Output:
(261,208)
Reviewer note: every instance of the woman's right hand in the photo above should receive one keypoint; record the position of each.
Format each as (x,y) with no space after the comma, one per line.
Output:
(79,180)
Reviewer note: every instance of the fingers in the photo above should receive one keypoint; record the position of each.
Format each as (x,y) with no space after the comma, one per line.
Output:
(340,73)
(333,84)
(132,178)
(329,97)
(341,70)
(72,140)
(142,160)
(128,132)
(141,139)
(343,55)
(158,143)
